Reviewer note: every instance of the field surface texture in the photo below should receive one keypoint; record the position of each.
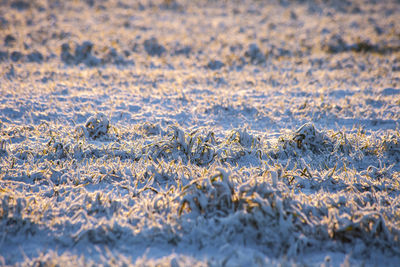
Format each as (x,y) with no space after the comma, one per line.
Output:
(199,133)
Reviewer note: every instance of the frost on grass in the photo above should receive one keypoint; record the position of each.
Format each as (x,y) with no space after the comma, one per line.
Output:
(254,54)
(197,187)
(153,48)
(215,65)
(307,138)
(84,53)
(96,127)
(273,142)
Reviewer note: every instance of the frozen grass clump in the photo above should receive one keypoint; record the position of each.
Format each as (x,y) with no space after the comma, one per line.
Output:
(83,54)
(12,215)
(182,50)
(35,57)
(306,138)
(210,196)
(194,147)
(96,127)
(202,148)
(153,48)
(66,55)
(254,54)
(10,40)
(215,65)
(260,207)
(113,57)
(20,5)
(16,56)
(244,138)
(334,44)
(365,225)
(346,144)
(58,150)
(150,129)
(391,145)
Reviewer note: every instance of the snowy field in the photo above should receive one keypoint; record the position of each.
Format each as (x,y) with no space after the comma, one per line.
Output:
(200,133)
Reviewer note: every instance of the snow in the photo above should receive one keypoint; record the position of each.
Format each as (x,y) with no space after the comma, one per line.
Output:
(222,133)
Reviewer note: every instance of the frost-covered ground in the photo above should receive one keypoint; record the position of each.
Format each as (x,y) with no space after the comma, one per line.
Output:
(222,133)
